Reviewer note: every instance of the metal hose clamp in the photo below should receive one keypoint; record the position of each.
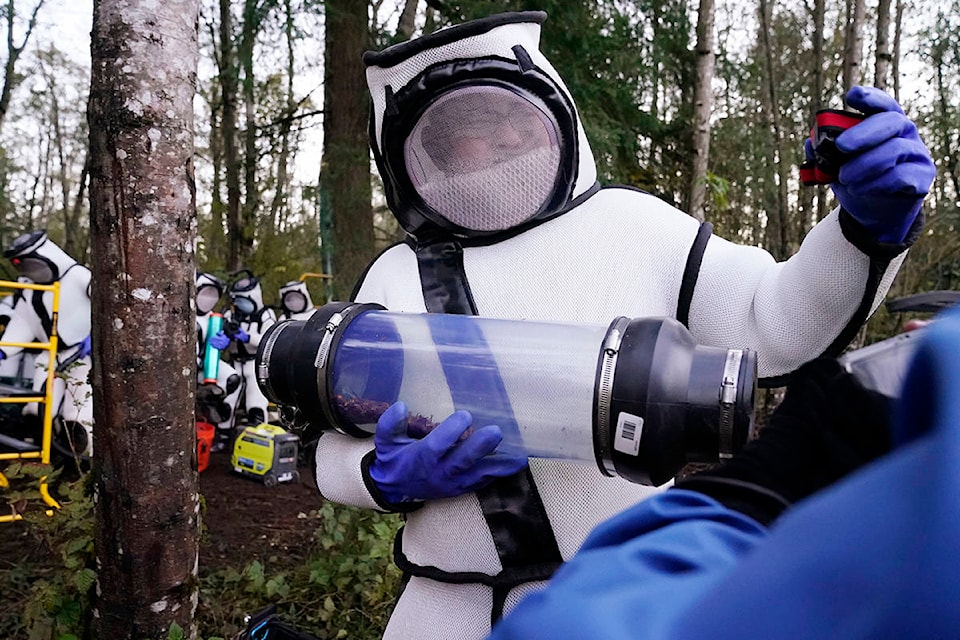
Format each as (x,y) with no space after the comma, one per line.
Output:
(728,401)
(608,366)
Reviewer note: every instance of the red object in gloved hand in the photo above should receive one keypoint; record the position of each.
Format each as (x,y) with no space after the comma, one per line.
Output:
(823,159)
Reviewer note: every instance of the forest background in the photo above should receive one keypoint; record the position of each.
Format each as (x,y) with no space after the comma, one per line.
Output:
(704,103)
(268,198)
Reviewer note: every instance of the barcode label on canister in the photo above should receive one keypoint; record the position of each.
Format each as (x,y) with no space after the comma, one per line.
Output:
(629,431)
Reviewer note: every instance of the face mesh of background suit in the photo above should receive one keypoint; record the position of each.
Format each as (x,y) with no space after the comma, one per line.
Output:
(207,298)
(294,302)
(484,158)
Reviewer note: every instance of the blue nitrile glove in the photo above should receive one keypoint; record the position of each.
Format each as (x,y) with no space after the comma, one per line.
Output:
(241,335)
(2,355)
(439,465)
(85,347)
(219,341)
(891,170)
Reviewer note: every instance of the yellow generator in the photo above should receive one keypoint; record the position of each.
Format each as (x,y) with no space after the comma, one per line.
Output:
(267,453)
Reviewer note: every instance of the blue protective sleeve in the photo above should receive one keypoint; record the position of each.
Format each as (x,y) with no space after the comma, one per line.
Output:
(876,555)
(638,571)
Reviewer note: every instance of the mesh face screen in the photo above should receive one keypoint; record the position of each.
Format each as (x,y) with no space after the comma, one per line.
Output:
(484,158)
(36,269)
(244,305)
(294,302)
(244,284)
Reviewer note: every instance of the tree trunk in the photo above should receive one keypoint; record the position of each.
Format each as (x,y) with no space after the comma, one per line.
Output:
(278,209)
(853,44)
(895,63)
(11,79)
(655,74)
(251,191)
(945,130)
(407,20)
(143,227)
(702,107)
(345,169)
(883,45)
(777,233)
(810,217)
(78,202)
(229,81)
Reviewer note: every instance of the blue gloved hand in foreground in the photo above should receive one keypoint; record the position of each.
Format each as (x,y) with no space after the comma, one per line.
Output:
(86,347)
(439,465)
(219,341)
(891,170)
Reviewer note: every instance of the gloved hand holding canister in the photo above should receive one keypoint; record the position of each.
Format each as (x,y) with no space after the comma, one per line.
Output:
(887,169)
(219,340)
(827,426)
(449,461)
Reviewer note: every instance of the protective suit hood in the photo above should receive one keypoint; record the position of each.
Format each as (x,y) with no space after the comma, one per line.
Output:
(37,258)
(295,297)
(473,130)
(209,291)
(246,293)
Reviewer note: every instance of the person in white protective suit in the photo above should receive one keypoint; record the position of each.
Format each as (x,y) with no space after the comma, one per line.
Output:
(18,368)
(218,401)
(38,259)
(245,323)
(295,301)
(486,166)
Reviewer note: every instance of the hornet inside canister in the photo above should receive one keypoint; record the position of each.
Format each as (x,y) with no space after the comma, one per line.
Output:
(638,398)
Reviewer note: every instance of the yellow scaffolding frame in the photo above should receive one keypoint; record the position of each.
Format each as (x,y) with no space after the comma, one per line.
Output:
(47,399)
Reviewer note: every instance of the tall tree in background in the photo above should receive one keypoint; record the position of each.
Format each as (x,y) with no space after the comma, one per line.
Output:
(702,109)
(229,89)
(345,191)
(897,41)
(853,44)
(52,63)
(253,15)
(810,213)
(883,53)
(10,76)
(777,208)
(143,226)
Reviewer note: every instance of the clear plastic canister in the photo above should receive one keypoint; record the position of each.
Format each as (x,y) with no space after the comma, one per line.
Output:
(535,380)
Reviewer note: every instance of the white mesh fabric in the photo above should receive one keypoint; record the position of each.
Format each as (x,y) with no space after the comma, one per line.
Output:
(521,592)
(577,497)
(431,539)
(430,610)
(496,42)
(781,312)
(338,470)
(484,157)
(619,253)
(497,197)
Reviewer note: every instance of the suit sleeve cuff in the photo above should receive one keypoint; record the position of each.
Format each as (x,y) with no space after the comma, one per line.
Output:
(858,235)
(377,495)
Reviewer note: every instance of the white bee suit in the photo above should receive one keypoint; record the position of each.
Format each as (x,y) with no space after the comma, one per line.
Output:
(209,289)
(254,318)
(586,255)
(18,366)
(43,262)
